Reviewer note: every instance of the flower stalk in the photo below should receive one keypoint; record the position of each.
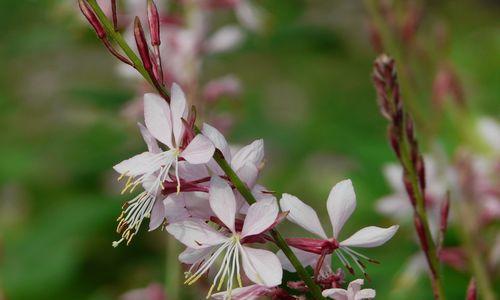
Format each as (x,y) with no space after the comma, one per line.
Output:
(225,166)
(403,141)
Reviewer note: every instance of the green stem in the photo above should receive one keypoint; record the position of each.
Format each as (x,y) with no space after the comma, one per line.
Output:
(421,213)
(239,185)
(278,239)
(172,269)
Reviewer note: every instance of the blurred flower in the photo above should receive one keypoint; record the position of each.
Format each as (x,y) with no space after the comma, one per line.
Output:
(152,292)
(353,292)
(489,130)
(340,205)
(228,85)
(206,244)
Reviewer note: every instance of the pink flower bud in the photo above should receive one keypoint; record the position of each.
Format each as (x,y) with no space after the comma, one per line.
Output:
(472,290)
(154,23)
(92,18)
(142,45)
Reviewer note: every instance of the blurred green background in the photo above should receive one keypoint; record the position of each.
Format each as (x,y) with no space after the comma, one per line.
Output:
(307,92)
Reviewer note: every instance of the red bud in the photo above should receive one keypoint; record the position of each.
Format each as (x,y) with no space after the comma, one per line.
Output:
(142,45)
(472,290)
(154,23)
(445,211)
(92,18)
(421,234)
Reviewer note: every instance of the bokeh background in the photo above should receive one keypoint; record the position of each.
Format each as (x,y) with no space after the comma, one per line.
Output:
(307,92)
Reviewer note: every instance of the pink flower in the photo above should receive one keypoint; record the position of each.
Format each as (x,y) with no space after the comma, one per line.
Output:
(353,292)
(340,205)
(206,244)
(251,292)
(151,168)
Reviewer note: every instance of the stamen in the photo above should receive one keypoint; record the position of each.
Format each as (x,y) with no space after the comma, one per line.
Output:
(344,261)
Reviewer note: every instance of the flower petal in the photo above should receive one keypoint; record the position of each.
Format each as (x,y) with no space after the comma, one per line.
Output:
(355,285)
(248,174)
(199,151)
(224,39)
(371,236)
(157,118)
(261,266)
(341,203)
(179,111)
(137,165)
(337,294)
(305,258)
(149,139)
(217,139)
(195,234)
(251,292)
(191,172)
(393,174)
(302,214)
(157,214)
(222,201)
(365,294)
(179,207)
(191,256)
(260,216)
(253,153)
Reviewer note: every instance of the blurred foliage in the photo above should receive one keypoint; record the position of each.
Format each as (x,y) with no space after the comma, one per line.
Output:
(308,93)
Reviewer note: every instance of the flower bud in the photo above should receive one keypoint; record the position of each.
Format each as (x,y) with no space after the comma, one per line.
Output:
(154,23)
(142,45)
(92,18)
(472,290)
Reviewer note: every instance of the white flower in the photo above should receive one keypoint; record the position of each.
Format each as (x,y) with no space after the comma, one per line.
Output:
(206,245)
(151,168)
(340,205)
(353,292)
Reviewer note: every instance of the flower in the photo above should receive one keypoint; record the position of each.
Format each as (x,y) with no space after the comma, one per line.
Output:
(206,244)
(340,205)
(353,292)
(164,123)
(251,292)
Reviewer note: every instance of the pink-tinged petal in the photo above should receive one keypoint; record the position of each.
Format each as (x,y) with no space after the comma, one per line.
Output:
(179,111)
(191,256)
(365,294)
(355,285)
(217,139)
(337,294)
(248,174)
(137,165)
(341,203)
(302,215)
(190,172)
(261,266)
(253,153)
(158,119)
(157,214)
(225,39)
(179,207)
(199,151)
(371,236)
(305,258)
(251,292)
(260,216)
(149,139)
(222,201)
(195,234)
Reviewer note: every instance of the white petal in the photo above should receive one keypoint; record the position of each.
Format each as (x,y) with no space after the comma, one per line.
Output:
(137,165)
(195,234)
(305,258)
(365,294)
(190,172)
(302,214)
(337,294)
(489,129)
(175,208)
(225,39)
(149,139)
(393,173)
(248,174)
(355,286)
(250,15)
(394,206)
(179,207)
(260,216)
(261,266)
(191,256)
(341,203)
(157,214)
(158,119)
(199,151)
(371,236)
(217,139)
(178,110)
(222,201)
(251,292)
(253,153)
